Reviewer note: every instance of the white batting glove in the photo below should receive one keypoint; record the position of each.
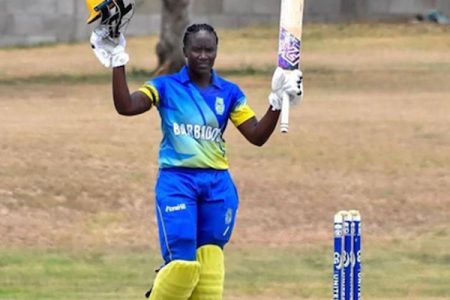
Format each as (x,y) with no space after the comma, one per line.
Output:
(108,52)
(276,95)
(293,86)
(119,56)
(102,47)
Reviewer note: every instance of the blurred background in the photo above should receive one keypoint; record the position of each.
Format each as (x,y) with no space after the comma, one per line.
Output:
(372,134)
(30,22)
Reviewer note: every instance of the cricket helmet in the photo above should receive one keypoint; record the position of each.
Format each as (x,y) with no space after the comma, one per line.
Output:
(114,14)
(93,13)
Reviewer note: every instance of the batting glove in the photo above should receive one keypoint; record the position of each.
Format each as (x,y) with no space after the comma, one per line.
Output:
(108,52)
(276,95)
(119,56)
(293,86)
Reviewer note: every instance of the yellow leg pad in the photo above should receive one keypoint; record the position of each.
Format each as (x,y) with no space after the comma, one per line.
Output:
(176,280)
(212,273)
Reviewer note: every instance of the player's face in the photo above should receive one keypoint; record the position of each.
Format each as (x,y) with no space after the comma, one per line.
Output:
(201,51)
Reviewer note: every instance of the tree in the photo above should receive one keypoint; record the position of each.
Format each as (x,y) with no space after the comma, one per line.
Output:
(174,20)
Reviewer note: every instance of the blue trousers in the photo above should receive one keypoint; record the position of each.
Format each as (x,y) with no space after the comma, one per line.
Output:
(194,207)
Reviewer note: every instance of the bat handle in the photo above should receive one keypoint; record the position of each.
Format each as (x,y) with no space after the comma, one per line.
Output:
(284,123)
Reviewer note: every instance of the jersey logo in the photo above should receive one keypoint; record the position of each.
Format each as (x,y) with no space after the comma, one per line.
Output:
(229,216)
(177,207)
(220,106)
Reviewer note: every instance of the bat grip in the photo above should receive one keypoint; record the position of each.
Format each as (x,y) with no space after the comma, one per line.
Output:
(284,122)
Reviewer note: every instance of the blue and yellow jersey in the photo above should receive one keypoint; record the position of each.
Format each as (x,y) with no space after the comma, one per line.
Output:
(193,119)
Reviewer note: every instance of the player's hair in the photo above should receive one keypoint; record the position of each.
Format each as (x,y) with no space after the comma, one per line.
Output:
(194,28)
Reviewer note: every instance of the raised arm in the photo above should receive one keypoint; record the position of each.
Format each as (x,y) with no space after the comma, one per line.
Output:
(126,104)
(258,132)
(112,54)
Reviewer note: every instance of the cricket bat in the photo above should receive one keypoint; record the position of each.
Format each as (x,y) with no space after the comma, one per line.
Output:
(289,47)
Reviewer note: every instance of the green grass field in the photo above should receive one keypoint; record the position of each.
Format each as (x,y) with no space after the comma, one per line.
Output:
(76,179)
(417,268)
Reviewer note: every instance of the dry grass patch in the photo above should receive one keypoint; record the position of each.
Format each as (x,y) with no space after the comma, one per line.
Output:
(371,134)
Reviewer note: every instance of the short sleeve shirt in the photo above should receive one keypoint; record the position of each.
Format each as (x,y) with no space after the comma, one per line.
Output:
(193,119)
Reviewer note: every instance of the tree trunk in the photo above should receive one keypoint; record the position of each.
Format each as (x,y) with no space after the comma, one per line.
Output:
(174,20)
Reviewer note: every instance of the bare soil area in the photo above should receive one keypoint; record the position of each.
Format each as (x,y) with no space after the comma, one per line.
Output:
(372,134)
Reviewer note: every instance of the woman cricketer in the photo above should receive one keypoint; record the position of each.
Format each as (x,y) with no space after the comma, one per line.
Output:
(196,199)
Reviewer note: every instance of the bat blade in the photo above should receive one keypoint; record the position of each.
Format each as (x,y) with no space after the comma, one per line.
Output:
(289,46)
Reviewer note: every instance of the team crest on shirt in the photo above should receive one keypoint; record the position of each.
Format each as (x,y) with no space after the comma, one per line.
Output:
(220,106)
(229,216)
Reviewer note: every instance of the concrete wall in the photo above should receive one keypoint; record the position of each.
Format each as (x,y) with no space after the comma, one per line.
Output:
(27,22)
